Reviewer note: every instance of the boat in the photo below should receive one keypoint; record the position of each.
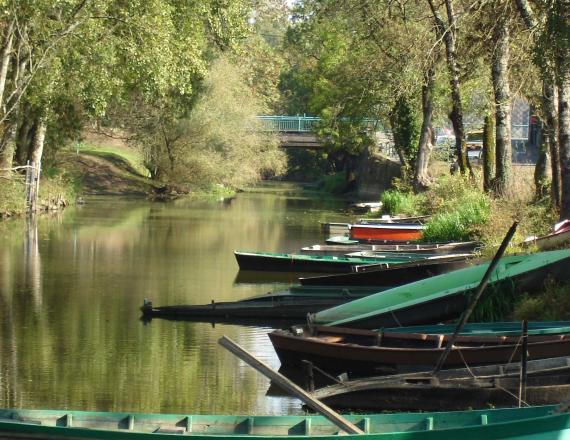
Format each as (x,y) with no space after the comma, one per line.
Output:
(487,328)
(445,297)
(427,248)
(433,394)
(341,240)
(389,276)
(544,422)
(315,263)
(335,228)
(292,304)
(387,232)
(559,237)
(338,349)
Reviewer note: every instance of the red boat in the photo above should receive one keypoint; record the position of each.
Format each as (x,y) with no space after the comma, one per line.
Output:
(386,232)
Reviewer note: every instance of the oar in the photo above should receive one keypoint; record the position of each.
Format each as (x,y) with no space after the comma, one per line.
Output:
(289,386)
(477,296)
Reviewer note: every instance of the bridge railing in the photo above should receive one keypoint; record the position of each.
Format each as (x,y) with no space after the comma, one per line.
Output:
(304,123)
(289,123)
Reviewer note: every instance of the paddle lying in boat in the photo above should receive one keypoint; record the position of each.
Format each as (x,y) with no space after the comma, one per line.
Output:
(293,303)
(313,263)
(390,276)
(445,297)
(338,349)
(542,422)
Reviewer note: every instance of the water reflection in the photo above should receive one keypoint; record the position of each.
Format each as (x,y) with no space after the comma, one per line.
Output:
(71,286)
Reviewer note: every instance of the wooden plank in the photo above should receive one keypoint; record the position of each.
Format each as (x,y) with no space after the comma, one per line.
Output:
(289,386)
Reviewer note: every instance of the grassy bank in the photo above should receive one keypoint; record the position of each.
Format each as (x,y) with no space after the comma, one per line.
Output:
(461,211)
(56,191)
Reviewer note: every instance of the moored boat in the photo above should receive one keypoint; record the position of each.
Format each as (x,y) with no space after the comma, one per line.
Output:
(543,422)
(445,297)
(368,352)
(395,232)
(292,304)
(453,389)
(427,248)
(559,237)
(389,276)
(315,263)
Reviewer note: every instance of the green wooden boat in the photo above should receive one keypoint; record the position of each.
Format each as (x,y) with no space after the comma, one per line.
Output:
(539,422)
(487,328)
(445,297)
(270,261)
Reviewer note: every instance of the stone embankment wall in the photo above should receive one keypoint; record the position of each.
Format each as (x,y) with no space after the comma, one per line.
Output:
(375,173)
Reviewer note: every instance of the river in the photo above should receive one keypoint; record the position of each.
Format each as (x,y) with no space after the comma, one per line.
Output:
(71,286)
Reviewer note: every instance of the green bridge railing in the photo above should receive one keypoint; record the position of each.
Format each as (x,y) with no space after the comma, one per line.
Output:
(289,123)
(302,124)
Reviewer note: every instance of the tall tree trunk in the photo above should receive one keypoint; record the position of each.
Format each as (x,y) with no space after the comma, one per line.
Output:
(8,146)
(10,126)
(549,116)
(5,59)
(488,152)
(38,144)
(550,133)
(501,88)
(448,32)
(540,178)
(564,136)
(425,146)
(24,139)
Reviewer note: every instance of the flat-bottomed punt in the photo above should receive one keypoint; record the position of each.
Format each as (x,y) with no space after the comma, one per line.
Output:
(428,248)
(542,422)
(292,304)
(386,275)
(279,262)
(386,232)
(338,349)
(444,297)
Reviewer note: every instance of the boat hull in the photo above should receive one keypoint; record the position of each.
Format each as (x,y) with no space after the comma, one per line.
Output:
(388,232)
(516,424)
(310,263)
(418,397)
(445,297)
(371,360)
(388,276)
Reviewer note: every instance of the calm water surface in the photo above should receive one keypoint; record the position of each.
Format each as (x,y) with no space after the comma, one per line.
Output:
(71,287)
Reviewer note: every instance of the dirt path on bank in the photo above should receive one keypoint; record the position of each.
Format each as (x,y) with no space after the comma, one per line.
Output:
(104,174)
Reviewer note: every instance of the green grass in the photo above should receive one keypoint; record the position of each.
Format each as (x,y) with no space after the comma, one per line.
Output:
(12,196)
(131,156)
(398,202)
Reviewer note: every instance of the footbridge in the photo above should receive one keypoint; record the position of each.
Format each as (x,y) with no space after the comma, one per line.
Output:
(294,131)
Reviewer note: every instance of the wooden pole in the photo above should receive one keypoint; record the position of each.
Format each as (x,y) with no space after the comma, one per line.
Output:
(289,386)
(522,381)
(480,289)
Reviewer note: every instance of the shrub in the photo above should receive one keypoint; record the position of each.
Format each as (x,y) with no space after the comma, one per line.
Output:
(461,210)
(552,305)
(399,202)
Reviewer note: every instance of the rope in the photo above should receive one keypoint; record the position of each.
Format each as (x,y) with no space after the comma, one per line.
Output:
(395,318)
(465,363)
(328,376)
(511,394)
